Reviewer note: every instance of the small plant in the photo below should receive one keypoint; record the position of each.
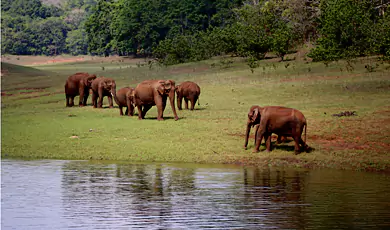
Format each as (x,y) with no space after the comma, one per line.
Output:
(225,63)
(349,66)
(371,68)
(252,63)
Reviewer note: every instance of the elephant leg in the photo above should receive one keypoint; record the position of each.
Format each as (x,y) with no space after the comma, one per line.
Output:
(139,107)
(110,101)
(256,129)
(127,111)
(67,101)
(179,101)
(81,98)
(259,136)
(86,94)
(305,147)
(145,110)
(160,106)
(186,102)
(267,138)
(120,111)
(164,103)
(297,148)
(100,102)
(94,100)
(192,100)
(72,101)
(130,108)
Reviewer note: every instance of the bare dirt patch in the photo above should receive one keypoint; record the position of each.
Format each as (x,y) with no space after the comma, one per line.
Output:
(338,143)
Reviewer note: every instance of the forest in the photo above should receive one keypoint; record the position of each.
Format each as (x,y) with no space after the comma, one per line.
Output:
(178,31)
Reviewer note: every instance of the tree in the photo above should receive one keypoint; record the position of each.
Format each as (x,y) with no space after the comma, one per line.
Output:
(345,28)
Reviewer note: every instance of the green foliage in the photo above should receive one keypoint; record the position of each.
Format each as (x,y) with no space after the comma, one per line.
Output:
(76,42)
(98,27)
(345,27)
(32,28)
(255,32)
(282,40)
(380,38)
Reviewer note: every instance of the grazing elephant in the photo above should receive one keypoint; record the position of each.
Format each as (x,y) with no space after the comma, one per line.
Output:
(154,92)
(279,120)
(189,91)
(101,87)
(78,84)
(124,98)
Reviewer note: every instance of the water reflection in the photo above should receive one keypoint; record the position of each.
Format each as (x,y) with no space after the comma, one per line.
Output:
(85,195)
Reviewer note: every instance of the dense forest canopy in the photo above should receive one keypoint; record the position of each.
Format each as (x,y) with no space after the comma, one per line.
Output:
(176,31)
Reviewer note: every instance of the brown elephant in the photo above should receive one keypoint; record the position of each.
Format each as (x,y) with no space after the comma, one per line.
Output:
(124,98)
(78,84)
(154,92)
(103,86)
(279,120)
(189,91)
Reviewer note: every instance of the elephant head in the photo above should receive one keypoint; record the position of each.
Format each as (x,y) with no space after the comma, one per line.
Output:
(254,116)
(131,95)
(166,87)
(109,85)
(88,80)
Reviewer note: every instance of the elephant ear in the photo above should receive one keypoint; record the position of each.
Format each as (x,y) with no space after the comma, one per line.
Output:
(161,87)
(255,114)
(168,84)
(177,88)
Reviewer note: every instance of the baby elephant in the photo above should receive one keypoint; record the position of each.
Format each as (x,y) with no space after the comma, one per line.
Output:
(189,91)
(124,98)
(282,121)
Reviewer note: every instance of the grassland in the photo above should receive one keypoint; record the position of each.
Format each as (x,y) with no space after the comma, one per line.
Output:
(36,123)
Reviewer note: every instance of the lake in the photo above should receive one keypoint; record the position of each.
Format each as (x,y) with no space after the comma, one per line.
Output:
(52,194)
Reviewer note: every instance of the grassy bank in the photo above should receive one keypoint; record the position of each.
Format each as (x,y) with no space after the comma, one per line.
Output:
(36,123)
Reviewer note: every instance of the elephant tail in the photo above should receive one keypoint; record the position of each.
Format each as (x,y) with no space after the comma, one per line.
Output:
(198,101)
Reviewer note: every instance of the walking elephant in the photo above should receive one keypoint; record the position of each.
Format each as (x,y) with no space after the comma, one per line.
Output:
(189,91)
(124,98)
(154,92)
(78,84)
(103,86)
(282,121)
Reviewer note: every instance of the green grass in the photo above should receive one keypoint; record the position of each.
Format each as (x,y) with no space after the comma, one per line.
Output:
(41,127)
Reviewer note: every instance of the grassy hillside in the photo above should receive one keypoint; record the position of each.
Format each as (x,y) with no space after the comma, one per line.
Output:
(38,125)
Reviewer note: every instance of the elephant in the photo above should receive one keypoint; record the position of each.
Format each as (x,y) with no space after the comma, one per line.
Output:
(154,92)
(283,121)
(101,87)
(124,98)
(189,91)
(78,84)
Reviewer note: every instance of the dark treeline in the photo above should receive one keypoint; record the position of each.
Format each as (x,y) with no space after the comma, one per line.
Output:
(176,31)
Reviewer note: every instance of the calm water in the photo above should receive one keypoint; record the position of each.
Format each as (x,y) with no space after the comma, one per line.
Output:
(83,195)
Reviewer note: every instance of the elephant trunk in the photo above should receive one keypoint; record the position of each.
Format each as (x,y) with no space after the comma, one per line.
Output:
(248,129)
(113,94)
(172,101)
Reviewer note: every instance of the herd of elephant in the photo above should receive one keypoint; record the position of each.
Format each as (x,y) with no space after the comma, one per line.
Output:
(283,121)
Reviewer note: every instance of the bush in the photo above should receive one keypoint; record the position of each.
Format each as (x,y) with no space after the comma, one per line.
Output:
(345,27)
